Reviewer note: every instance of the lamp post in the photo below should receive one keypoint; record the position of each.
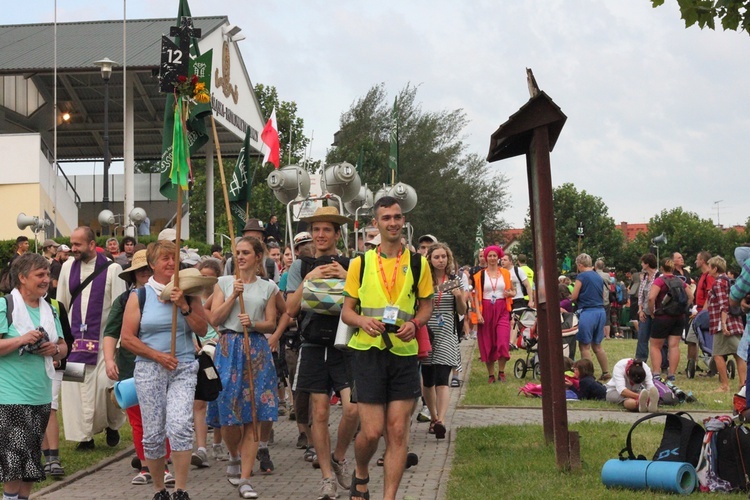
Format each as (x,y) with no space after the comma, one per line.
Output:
(106,65)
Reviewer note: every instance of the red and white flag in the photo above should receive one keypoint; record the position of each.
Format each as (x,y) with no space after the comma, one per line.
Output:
(270,139)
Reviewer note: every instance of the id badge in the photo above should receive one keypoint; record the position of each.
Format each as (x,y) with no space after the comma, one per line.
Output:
(390,315)
(440,320)
(492,300)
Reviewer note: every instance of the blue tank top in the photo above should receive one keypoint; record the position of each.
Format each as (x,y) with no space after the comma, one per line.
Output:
(156,329)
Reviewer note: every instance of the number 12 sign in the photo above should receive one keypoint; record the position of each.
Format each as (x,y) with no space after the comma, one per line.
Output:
(174,62)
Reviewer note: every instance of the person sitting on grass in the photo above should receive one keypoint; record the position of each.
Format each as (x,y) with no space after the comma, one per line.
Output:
(588,387)
(632,385)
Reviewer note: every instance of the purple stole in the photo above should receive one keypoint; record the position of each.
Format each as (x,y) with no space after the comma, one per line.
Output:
(86,334)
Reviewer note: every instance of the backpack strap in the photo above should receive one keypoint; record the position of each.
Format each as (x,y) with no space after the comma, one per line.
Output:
(415,264)
(523,287)
(628,441)
(8,309)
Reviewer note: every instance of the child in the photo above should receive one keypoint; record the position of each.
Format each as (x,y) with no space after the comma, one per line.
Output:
(588,387)
(632,385)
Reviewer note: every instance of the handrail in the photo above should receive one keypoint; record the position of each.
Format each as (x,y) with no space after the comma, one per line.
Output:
(48,154)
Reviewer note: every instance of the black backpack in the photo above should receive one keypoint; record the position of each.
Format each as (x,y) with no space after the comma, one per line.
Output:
(733,456)
(675,302)
(681,442)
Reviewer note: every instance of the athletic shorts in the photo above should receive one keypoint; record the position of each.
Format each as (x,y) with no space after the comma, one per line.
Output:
(724,346)
(381,377)
(591,326)
(666,326)
(321,369)
(436,375)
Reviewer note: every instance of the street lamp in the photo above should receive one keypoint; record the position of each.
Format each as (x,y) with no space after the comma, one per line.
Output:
(106,65)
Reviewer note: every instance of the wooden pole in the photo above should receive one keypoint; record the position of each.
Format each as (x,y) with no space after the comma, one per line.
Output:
(176,277)
(246,335)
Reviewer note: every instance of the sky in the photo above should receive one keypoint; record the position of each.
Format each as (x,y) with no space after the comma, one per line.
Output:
(655,111)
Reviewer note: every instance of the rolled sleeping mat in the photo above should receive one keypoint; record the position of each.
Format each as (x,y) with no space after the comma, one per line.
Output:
(673,477)
(125,393)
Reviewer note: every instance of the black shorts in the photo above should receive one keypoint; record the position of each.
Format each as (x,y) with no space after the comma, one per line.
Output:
(666,326)
(436,375)
(321,369)
(280,364)
(381,377)
(519,303)
(607,320)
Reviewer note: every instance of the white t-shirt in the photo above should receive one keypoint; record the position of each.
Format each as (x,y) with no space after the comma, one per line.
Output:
(516,282)
(493,288)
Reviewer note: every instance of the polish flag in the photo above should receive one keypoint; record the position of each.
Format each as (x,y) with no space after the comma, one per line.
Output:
(270,139)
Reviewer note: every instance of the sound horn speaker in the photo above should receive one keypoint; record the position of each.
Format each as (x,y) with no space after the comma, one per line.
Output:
(23,221)
(406,196)
(137,215)
(383,191)
(362,200)
(289,182)
(106,218)
(660,240)
(342,180)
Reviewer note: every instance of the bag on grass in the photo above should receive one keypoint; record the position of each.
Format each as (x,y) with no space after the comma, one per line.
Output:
(733,456)
(681,441)
(666,396)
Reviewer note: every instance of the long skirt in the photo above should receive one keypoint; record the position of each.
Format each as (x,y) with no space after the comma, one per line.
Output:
(494,335)
(21,432)
(233,405)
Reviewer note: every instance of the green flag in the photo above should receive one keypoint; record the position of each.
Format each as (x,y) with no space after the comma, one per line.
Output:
(393,157)
(197,135)
(241,185)
(478,239)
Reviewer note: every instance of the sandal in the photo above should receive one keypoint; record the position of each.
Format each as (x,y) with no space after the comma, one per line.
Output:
(431,430)
(354,492)
(55,469)
(380,461)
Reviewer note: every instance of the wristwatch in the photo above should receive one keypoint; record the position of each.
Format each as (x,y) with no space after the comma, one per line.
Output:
(190,309)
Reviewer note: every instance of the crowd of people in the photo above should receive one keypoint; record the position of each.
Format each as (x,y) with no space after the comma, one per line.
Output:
(294,329)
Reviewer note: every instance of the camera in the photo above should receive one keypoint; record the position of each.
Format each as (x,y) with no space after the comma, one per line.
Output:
(32,348)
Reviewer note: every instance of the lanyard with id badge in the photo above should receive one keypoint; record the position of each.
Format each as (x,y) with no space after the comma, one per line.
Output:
(390,313)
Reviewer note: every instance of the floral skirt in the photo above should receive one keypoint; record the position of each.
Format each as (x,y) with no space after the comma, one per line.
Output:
(233,405)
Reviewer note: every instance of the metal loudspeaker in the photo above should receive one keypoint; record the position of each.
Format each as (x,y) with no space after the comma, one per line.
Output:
(342,180)
(106,218)
(363,200)
(137,215)
(660,240)
(406,196)
(287,183)
(35,223)
(380,193)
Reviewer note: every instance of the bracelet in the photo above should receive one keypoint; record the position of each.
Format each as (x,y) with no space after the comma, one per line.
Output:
(416,323)
(190,310)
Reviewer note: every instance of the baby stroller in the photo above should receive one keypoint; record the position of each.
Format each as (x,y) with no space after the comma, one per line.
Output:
(525,323)
(705,344)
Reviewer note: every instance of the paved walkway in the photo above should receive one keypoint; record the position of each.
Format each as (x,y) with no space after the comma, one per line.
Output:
(295,479)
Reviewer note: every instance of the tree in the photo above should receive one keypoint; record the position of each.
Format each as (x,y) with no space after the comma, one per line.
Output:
(686,233)
(601,238)
(453,186)
(734,14)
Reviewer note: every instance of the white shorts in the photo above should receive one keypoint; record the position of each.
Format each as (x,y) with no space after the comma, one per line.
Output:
(56,384)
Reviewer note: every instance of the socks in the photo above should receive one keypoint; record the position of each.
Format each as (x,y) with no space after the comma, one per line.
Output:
(202,448)
(7,496)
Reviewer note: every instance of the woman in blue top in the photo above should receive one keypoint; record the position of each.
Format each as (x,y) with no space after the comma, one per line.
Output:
(26,372)
(588,294)
(165,384)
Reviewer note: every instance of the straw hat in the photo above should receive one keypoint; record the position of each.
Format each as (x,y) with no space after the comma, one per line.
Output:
(327,214)
(192,282)
(139,262)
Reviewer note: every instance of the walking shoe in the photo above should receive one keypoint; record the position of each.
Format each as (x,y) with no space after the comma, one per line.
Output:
(301,441)
(412,459)
(113,437)
(219,452)
(328,489)
(491,379)
(199,459)
(309,455)
(653,400)
(234,471)
(180,495)
(264,458)
(439,430)
(671,378)
(143,478)
(135,463)
(455,382)
(316,462)
(292,415)
(501,376)
(424,414)
(86,445)
(168,479)
(283,410)
(162,495)
(334,400)
(343,474)
(643,401)
(246,489)
(55,469)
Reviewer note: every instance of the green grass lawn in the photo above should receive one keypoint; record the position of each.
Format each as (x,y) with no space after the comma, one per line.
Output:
(482,394)
(514,462)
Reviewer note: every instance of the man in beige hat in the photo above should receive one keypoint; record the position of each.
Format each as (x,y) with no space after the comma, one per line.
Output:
(49,249)
(322,368)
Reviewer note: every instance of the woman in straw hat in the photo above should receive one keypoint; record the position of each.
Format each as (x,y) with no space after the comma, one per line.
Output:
(235,407)
(161,377)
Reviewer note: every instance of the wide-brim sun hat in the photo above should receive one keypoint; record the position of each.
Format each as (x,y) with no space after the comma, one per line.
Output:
(139,262)
(192,282)
(327,214)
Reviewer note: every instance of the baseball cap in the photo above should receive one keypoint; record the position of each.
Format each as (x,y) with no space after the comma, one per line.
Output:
(168,234)
(374,242)
(427,237)
(50,243)
(302,238)
(63,248)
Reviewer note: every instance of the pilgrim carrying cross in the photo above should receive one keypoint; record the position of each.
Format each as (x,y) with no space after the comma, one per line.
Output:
(175,59)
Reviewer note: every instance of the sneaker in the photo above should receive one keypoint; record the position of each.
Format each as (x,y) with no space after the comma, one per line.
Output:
(143,478)
(199,459)
(424,414)
(246,489)
(328,489)
(653,400)
(412,459)
(283,410)
(168,479)
(343,474)
(113,437)
(135,463)
(671,378)
(234,471)
(309,455)
(491,379)
(334,400)
(301,441)
(86,445)
(439,430)
(455,382)
(643,401)
(180,495)
(162,495)
(55,469)
(264,458)
(219,452)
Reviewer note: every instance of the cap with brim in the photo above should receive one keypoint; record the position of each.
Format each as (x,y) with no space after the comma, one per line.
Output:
(189,256)
(63,248)
(254,225)
(427,237)
(327,214)
(168,234)
(50,243)
(139,262)
(374,242)
(192,282)
(302,238)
